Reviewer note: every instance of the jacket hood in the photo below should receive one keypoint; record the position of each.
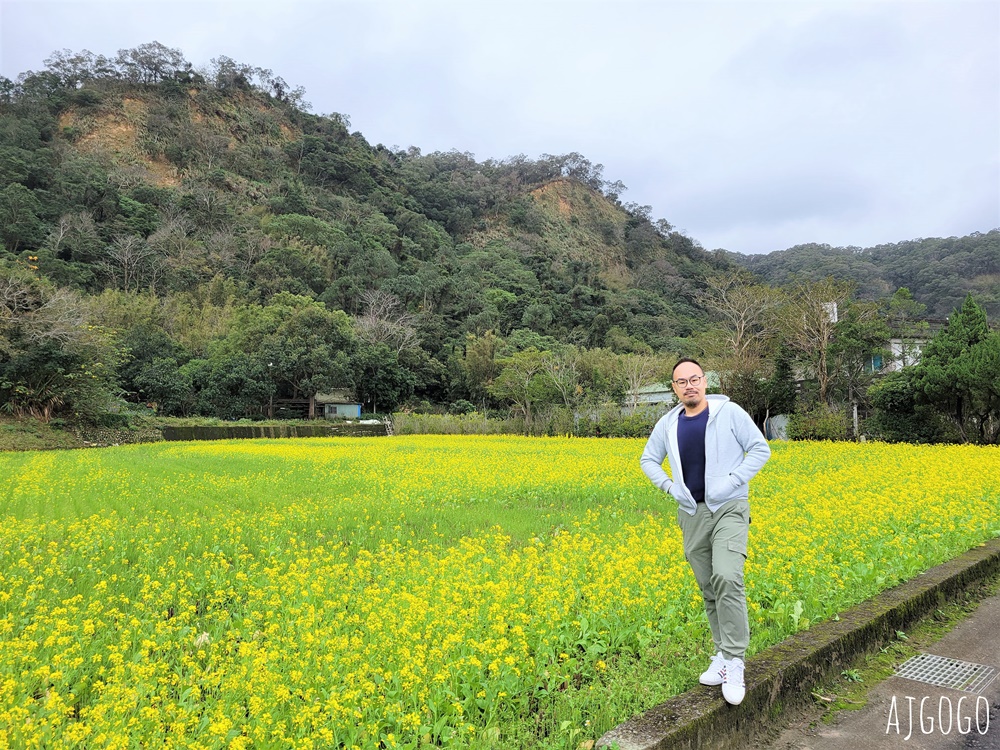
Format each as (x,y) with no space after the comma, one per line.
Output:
(715,403)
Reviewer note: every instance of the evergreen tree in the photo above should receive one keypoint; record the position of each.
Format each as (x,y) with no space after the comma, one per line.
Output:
(953,374)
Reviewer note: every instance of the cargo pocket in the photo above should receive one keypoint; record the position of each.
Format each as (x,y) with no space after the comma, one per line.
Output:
(732,568)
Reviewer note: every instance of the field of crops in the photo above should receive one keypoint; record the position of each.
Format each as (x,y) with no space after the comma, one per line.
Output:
(488,592)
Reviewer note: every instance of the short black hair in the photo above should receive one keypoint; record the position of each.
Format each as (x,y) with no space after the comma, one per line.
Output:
(682,360)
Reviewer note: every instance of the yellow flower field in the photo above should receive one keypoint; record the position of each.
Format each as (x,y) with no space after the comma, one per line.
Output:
(417,591)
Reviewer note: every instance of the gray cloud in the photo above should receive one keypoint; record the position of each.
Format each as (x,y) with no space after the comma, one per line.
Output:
(778,199)
(751,125)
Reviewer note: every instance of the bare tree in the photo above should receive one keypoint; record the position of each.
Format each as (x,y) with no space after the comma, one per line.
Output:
(223,249)
(254,247)
(385,320)
(131,263)
(173,247)
(59,232)
(127,176)
(744,344)
(210,146)
(563,369)
(811,322)
(638,371)
(74,237)
(60,317)
(33,313)
(748,314)
(16,298)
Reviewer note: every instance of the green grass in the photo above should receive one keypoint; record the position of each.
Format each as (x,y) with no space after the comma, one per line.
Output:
(32,435)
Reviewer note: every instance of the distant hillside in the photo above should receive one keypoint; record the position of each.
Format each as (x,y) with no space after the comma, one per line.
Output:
(195,240)
(142,173)
(938,272)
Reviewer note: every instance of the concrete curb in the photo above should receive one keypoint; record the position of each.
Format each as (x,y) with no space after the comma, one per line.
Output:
(784,674)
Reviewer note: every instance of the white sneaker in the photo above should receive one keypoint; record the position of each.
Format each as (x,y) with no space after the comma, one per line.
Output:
(733,688)
(715,674)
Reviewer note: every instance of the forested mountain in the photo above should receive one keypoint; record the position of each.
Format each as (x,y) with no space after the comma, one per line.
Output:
(938,272)
(191,215)
(197,241)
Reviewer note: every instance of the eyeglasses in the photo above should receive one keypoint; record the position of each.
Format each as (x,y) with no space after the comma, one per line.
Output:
(696,380)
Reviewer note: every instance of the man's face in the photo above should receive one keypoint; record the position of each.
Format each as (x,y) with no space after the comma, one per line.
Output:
(690,394)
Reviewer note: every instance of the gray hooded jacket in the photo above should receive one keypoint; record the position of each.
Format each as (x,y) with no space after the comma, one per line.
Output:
(735,451)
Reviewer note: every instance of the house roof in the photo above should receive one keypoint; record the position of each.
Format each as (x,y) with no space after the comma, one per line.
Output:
(344,396)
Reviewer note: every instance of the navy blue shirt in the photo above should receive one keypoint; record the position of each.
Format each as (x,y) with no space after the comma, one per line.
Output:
(691,444)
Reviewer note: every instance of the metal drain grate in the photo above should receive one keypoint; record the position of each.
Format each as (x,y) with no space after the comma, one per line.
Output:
(942,671)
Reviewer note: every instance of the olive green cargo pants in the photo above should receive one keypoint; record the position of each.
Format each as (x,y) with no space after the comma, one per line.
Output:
(715,545)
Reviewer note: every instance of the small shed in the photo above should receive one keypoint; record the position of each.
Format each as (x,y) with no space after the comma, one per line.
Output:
(342,403)
(656,394)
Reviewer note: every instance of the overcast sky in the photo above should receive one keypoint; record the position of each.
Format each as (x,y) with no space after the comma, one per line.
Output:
(752,126)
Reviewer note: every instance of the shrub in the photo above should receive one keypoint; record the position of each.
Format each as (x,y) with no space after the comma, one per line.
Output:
(898,418)
(462,407)
(819,422)
(601,421)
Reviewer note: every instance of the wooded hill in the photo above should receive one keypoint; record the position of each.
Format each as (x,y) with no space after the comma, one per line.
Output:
(195,238)
(938,272)
(174,204)
(214,172)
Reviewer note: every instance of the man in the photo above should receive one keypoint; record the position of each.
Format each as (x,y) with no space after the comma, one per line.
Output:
(714,450)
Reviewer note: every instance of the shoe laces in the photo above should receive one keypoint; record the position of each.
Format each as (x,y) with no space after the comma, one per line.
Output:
(718,663)
(733,672)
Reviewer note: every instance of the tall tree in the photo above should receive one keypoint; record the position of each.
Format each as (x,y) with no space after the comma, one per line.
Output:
(637,371)
(382,382)
(385,321)
(810,321)
(861,337)
(748,332)
(563,370)
(480,365)
(952,374)
(150,63)
(52,359)
(982,377)
(523,383)
(311,347)
(20,225)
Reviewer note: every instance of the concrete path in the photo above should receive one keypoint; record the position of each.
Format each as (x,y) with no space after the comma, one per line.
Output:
(891,719)
(780,679)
